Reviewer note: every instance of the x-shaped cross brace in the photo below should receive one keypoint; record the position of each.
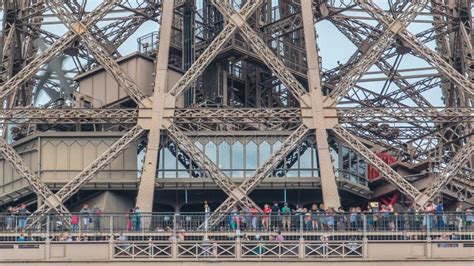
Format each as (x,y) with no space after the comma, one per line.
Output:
(99,52)
(59,45)
(431,56)
(89,172)
(41,189)
(375,51)
(55,201)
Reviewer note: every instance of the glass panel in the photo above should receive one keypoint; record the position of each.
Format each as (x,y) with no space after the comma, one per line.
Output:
(362,169)
(211,151)
(276,145)
(169,160)
(265,151)
(160,164)
(354,167)
(224,155)
(345,160)
(334,155)
(315,161)
(237,159)
(306,163)
(251,156)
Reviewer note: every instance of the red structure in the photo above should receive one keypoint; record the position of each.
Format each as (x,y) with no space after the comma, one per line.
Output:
(372,173)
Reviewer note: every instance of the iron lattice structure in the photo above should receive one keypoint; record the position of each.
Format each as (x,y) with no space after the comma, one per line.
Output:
(252,67)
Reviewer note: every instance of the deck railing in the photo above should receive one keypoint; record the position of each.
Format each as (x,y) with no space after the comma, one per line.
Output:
(397,226)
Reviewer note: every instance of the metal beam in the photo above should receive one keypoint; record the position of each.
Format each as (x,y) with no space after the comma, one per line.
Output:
(73,186)
(146,189)
(33,180)
(34,66)
(447,174)
(431,56)
(211,169)
(371,158)
(270,59)
(212,50)
(328,178)
(261,173)
(100,53)
(376,49)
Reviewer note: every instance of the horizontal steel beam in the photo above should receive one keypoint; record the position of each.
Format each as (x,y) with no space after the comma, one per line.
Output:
(232,115)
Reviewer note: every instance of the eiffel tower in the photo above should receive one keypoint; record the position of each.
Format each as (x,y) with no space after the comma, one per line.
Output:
(237,103)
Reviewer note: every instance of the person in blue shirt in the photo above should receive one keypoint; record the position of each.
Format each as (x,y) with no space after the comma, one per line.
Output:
(21,238)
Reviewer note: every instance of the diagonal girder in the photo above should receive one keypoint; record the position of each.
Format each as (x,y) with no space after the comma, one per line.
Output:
(256,42)
(35,65)
(34,181)
(219,177)
(260,174)
(100,53)
(212,50)
(447,174)
(344,25)
(90,171)
(375,51)
(393,177)
(429,55)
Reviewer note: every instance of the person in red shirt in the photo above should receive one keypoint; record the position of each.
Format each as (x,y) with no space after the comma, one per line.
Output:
(266,217)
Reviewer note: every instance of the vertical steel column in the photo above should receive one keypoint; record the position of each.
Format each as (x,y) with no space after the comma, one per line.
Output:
(146,189)
(328,179)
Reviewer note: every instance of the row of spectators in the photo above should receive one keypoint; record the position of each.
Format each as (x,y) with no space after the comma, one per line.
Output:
(319,218)
(277,217)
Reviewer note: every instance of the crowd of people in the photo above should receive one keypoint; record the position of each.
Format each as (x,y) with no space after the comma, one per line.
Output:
(275,217)
(16,217)
(319,218)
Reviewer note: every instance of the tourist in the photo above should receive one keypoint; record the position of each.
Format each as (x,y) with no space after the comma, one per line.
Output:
(428,218)
(459,217)
(138,218)
(440,217)
(74,222)
(275,215)
(130,220)
(97,212)
(353,218)
(266,217)
(330,218)
(280,237)
(254,213)
(207,213)
(314,216)
(286,217)
(10,218)
(298,212)
(307,219)
(21,238)
(22,213)
(86,217)
(341,220)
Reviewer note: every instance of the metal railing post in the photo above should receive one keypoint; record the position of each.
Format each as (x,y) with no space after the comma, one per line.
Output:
(174,248)
(301,226)
(48,221)
(238,248)
(111,225)
(301,250)
(364,226)
(174,226)
(111,247)
(429,222)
